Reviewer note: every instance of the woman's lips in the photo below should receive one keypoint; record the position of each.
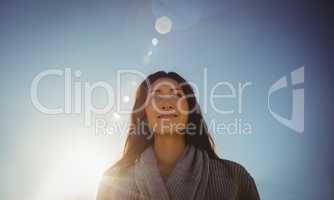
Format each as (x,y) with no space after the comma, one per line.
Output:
(167,116)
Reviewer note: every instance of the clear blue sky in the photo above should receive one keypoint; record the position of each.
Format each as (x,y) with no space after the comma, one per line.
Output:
(43,156)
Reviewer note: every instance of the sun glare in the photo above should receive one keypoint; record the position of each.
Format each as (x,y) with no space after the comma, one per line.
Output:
(76,176)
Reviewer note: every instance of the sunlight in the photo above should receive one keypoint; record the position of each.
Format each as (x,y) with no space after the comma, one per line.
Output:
(77,175)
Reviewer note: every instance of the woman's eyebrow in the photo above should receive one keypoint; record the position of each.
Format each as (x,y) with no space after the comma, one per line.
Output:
(171,89)
(176,89)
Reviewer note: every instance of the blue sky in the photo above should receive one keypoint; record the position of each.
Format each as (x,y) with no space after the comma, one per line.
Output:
(47,156)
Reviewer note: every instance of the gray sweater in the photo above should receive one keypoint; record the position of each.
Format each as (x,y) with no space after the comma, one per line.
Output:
(228,180)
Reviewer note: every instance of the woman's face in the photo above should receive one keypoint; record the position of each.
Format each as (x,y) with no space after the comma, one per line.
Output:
(167,108)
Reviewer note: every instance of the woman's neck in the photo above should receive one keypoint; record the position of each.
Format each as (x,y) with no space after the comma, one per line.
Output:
(167,149)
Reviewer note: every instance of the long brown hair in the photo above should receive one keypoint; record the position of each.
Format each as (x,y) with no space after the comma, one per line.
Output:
(137,141)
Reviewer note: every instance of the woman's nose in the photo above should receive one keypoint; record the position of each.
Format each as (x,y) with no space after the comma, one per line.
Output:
(167,107)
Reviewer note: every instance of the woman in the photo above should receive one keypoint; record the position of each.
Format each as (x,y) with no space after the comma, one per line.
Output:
(169,153)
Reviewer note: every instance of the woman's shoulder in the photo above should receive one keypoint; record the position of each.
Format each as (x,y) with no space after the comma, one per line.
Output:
(116,183)
(227,164)
(236,173)
(229,168)
(118,172)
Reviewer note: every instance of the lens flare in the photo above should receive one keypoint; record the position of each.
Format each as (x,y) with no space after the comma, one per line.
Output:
(155,41)
(163,25)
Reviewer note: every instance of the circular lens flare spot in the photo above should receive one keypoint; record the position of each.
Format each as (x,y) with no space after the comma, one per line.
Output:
(126,99)
(155,41)
(116,116)
(163,25)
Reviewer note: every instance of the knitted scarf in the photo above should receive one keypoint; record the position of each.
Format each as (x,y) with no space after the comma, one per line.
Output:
(187,181)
